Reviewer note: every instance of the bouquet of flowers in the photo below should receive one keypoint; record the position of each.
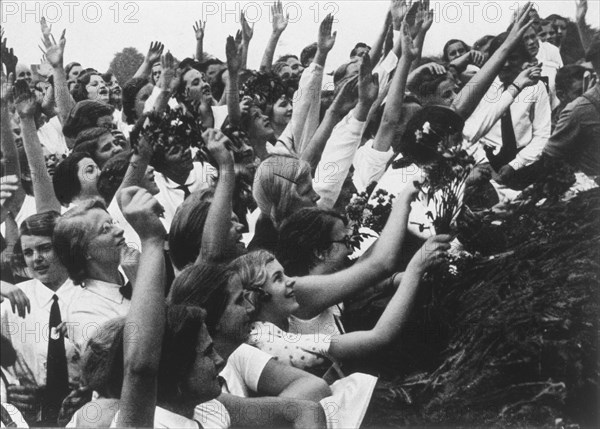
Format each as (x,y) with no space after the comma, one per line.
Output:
(174,127)
(446,178)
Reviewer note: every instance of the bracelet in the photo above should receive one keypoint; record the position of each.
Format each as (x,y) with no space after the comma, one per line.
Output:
(516,86)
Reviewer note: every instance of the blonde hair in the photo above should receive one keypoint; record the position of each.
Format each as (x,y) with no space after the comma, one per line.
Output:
(274,185)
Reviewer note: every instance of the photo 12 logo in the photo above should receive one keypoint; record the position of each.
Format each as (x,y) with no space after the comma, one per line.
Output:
(69,11)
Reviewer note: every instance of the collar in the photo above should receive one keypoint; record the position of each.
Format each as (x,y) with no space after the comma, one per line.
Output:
(43,295)
(106,290)
(188,182)
(166,418)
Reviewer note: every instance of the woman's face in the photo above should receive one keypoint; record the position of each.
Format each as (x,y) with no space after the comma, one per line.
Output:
(97,89)
(52,160)
(281,288)
(88,173)
(105,238)
(74,73)
(560,26)
(202,383)
(114,89)
(106,148)
(141,97)
(148,182)
(456,50)
(260,125)
(41,260)
(445,93)
(282,111)
(305,195)
(197,88)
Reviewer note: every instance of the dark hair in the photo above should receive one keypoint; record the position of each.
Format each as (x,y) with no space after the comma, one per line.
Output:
(87,141)
(286,57)
(187,227)
(427,84)
(112,175)
(567,75)
(204,65)
(303,233)
(481,42)
(202,285)
(593,52)
(85,114)
(79,92)
(358,46)
(69,66)
(308,53)
(41,225)
(65,180)
(555,16)
(103,358)
(130,90)
(70,239)
(107,76)
(447,46)
(520,50)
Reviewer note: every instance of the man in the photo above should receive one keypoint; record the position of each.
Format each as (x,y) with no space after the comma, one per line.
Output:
(360,50)
(577,135)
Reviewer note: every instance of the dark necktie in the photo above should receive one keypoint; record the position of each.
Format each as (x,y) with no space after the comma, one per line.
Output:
(186,191)
(508,151)
(57,377)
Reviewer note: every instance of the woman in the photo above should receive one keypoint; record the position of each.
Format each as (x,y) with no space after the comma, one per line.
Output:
(49,287)
(453,49)
(135,93)
(187,376)
(75,179)
(90,86)
(272,294)
(100,143)
(89,245)
(253,378)
(282,185)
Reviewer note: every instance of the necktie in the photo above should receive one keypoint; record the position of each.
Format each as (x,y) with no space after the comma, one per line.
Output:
(57,377)
(186,191)
(508,151)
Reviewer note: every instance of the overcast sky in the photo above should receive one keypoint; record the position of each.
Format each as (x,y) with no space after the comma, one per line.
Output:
(97,30)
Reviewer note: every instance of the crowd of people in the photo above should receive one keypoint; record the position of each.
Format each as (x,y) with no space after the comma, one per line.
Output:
(175,251)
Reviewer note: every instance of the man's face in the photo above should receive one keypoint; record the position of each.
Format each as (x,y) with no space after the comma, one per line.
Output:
(295,67)
(156,72)
(361,52)
(531,41)
(511,69)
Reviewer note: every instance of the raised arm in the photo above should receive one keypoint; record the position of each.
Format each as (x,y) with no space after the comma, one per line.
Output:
(9,149)
(218,219)
(153,55)
(584,33)
(391,113)
(472,93)
(170,79)
(280,23)
(145,323)
(391,322)
(247,34)
(43,191)
(199,27)
(54,54)
(317,293)
(234,64)
(377,49)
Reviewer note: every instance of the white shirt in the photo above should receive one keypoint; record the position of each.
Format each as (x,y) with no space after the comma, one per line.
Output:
(171,198)
(243,370)
(97,303)
(214,416)
(336,160)
(531,118)
(52,137)
(29,336)
(549,56)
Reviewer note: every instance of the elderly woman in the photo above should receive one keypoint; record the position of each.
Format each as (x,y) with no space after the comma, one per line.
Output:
(89,245)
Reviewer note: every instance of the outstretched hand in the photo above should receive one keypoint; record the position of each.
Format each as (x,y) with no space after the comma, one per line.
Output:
(154,52)
(142,211)
(521,23)
(406,40)
(433,252)
(7,89)
(218,146)
(234,56)
(280,21)
(9,59)
(581,10)
(529,76)
(25,100)
(368,83)
(399,9)
(54,51)
(247,30)
(170,76)
(46,30)
(326,38)
(199,27)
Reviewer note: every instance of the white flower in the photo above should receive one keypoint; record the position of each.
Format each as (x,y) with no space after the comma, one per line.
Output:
(426,127)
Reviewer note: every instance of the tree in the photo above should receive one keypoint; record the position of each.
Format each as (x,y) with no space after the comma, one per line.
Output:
(125,64)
